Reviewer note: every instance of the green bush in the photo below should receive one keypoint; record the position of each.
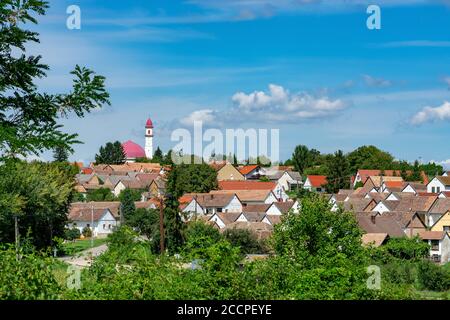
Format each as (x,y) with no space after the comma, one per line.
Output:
(407,248)
(400,272)
(29,278)
(432,276)
(245,240)
(72,234)
(87,232)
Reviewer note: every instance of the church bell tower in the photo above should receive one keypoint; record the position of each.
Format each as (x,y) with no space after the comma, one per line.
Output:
(149,138)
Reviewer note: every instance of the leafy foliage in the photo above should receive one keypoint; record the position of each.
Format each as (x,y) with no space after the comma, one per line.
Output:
(245,240)
(28,117)
(338,176)
(40,195)
(127,203)
(433,277)
(100,194)
(111,153)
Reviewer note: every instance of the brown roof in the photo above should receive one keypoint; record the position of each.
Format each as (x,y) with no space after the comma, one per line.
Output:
(418,187)
(346,191)
(377,180)
(415,203)
(284,207)
(442,205)
(228,217)
(254,216)
(147,178)
(444,180)
(358,205)
(246,195)
(212,199)
(256,207)
(134,184)
(340,197)
(87,214)
(375,239)
(273,218)
(246,185)
(431,235)
(113,206)
(378,196)
(383,224)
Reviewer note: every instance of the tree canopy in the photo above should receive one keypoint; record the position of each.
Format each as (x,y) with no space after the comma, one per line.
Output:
(29,117)
(111,153)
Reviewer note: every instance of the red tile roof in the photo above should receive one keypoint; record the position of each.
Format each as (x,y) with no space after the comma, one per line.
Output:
(394,184)
(87,170)
(248,169)
(317,181)
(246,185)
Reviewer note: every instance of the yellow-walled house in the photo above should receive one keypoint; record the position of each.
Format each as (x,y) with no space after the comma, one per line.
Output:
(229,172)
(443,223)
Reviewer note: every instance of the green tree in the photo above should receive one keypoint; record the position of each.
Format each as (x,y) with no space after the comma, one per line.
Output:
(111,153)
(186,178)
(146,222)
(338,176)
(29,117)
(369,157)
(301,158)
(127,203)
(60,154)
(416,174)
(40,195)
(158,156)
(168,158)
(245,240)
(100,194)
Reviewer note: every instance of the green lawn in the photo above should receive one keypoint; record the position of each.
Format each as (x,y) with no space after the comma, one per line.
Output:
(79,245)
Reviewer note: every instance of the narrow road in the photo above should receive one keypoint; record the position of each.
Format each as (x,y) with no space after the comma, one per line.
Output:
(83,258)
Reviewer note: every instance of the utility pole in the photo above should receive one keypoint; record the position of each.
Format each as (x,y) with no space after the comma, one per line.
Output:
(16,232)
(92,225)
(161,225)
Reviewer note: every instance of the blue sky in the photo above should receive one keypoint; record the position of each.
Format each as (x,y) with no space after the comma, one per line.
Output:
(309,68)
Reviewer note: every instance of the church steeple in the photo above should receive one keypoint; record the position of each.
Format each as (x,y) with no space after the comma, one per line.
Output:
(149,138)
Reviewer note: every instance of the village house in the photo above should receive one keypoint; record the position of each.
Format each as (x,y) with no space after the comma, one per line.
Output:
(100,221)
(439,242)
(315,183)
(288,180)
(226,171)
(438,184)
(250,172)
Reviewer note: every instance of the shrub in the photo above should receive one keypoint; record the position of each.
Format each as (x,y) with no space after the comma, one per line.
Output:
(432,276)
(400,272)
(244,239)
(86,232)
(72,234)
(407,248)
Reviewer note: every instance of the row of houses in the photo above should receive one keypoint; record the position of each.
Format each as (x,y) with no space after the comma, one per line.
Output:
(388,207)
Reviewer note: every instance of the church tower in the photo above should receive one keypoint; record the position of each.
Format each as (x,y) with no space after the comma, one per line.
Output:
(149,138)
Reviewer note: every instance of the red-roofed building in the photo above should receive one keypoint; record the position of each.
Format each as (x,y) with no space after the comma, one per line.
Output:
(133,150)
(315,183)
(250,171)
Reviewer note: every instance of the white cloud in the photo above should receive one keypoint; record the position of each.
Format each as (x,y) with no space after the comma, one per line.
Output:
(277,104)
(376,82)
(206,116)
(427,114)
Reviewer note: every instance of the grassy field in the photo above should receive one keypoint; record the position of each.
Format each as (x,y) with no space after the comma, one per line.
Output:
(79,245)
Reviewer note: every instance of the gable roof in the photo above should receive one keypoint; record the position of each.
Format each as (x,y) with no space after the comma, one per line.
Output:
(418,187)
(418,203)
(444,180)
(375,239)
(284,207)
(213,199)
(246,195)
(432,235)
(317,181)
(440,206)
(247,169)
(246,185)
(383,224)
(256,207)
(87,214)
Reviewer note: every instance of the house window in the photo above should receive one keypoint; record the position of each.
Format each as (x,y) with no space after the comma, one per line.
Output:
(433,190)
(435,245)
(219,209)
(447,228)
(104,226)
(438,189)
(88,225)
(319,189)
(109,226)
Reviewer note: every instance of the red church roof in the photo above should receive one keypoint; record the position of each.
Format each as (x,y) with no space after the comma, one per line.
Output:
(149,123)
(133,150)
